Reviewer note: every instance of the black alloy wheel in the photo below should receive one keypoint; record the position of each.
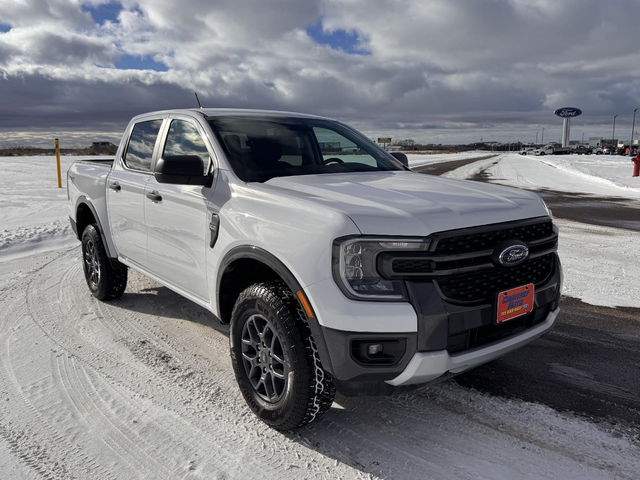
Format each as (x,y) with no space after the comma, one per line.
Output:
(91,264)
(264,358)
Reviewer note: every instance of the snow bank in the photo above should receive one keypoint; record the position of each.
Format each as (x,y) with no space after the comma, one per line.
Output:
(598,175)
(610,170)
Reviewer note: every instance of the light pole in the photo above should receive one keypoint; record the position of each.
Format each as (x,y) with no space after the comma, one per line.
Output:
(542,141)
(536,139)
(633,127)
(613,135)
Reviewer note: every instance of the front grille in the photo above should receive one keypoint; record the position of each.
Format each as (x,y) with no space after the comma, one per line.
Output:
(411,265)
(483,285)
(452,242)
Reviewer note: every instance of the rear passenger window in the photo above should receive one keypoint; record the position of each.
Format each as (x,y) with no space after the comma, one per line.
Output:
(183,139)
(140,148)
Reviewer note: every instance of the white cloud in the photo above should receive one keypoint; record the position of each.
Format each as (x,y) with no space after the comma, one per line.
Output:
(457,68)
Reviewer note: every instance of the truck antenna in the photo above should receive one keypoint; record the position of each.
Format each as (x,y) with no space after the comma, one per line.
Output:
(197,99)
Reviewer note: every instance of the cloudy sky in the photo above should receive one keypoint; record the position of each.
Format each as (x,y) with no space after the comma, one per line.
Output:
(431,70)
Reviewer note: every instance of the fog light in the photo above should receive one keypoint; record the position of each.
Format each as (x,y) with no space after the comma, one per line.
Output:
(375,348)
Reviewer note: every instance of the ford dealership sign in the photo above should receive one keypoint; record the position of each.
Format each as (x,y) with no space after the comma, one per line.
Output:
(568,112)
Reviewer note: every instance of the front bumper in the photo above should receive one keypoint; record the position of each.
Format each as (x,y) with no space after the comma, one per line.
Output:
(448,338)
(427,366)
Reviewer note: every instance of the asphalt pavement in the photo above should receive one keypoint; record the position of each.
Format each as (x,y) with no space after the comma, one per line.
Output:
(589,364)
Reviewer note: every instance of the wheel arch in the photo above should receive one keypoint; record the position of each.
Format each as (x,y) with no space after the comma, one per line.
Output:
(245,265)
(250,256)
(85,215)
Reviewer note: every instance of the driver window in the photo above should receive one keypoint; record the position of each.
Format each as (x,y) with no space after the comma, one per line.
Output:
(183,139)
(334,145)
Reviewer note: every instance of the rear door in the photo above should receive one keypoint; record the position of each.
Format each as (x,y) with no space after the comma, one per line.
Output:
(125,190)
(177,216)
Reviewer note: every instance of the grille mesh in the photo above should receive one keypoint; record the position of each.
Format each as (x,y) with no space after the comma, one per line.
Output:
(474,242)
(413,265)
(481,286)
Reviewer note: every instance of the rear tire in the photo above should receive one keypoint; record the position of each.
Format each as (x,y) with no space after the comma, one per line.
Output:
(275,359)
(106,278)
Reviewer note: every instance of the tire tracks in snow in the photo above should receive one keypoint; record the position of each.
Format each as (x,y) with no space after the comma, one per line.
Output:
(135,388)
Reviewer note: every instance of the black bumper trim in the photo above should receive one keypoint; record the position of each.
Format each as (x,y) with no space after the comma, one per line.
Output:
(345,367)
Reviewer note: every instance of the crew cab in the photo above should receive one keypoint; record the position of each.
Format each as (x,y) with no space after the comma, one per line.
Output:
(336,266)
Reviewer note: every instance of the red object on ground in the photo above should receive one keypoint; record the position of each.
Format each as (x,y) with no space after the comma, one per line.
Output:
(636,165)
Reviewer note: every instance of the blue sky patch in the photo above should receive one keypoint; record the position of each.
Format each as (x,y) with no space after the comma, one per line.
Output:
(4,27)
(104,12)
(134,62)
(338,39)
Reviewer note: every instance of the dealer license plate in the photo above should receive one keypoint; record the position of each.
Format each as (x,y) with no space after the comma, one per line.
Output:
(515,302)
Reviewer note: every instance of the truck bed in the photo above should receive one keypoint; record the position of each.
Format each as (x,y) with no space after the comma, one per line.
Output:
(104,162)
(88,179)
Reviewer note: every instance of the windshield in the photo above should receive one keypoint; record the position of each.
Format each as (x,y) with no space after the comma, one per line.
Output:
(261,148)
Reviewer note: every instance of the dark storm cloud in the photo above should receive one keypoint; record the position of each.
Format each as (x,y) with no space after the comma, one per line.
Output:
(449,68)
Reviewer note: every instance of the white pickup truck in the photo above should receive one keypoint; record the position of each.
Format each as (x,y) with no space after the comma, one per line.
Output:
(336,266)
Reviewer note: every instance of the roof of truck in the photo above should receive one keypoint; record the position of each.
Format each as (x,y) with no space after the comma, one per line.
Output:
(216,112)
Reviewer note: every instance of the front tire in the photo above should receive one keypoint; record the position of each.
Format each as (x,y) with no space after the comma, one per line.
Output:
(105,280)
(275,359)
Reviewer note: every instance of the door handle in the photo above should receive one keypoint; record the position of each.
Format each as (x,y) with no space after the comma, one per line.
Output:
(154,196)
(115,186)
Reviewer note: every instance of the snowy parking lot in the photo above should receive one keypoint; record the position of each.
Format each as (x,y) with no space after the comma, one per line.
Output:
(142,387)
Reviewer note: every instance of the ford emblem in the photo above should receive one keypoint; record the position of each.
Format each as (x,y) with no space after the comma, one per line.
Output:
(513,255)
(568,112)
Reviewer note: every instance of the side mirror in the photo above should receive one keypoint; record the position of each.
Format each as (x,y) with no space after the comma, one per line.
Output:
(182,170)
(401,157)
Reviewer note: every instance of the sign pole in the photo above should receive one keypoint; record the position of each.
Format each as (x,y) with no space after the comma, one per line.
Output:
(633,127)
(566,131)
(58,163)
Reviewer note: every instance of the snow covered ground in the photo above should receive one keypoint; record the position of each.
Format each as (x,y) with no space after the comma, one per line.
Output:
(599,175)
(33,211)
(142,387)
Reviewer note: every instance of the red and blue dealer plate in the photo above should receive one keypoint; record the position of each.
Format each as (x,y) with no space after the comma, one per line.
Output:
(515,302)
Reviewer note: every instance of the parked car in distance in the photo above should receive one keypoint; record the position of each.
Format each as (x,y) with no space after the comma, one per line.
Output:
(546,150)
(336,266)
(582,150)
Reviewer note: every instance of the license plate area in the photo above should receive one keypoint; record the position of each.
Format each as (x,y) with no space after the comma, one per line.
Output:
(515,302)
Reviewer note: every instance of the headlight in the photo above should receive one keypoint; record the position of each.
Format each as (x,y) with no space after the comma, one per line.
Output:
(546,207)
(355,266)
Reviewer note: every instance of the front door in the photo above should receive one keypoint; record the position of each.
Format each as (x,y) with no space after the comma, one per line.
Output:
(125,190)
(178,219)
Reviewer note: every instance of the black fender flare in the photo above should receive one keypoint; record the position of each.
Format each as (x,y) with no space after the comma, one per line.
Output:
(271,261)
(83,200)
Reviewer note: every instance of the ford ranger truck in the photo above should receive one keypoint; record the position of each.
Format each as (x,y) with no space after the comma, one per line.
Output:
(337,267)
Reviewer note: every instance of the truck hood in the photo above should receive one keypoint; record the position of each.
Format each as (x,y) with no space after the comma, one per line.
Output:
(408,203)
